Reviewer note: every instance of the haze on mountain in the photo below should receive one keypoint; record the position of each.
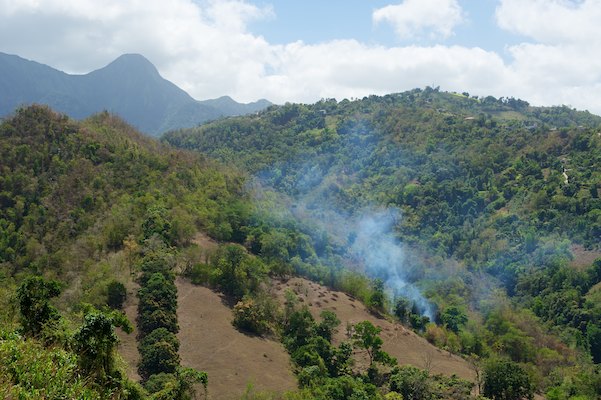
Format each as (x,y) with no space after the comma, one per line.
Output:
(130,86)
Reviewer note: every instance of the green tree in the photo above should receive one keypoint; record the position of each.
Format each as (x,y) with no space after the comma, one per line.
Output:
(411,382)
(366,337)
(402,308)
(157,223)
(453,318)
(593,335)
(34,296)
(236,272)
(377,297)
(116,295)
(158,353)
(506,380)
(178,385)
(329,322)
(299,329)
(95,342)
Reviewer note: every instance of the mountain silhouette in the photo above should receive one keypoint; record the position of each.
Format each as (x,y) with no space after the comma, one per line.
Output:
(130,87)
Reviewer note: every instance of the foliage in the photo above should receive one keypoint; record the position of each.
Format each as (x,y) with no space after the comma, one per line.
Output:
(30,371)
(34,296)
(411,383)
(506,380)
(95,343)
(176,386)
(158,353)
(453,318)
(254,315)
(235,272)
(158,305)
(366,337)
(117,294)
(377,297)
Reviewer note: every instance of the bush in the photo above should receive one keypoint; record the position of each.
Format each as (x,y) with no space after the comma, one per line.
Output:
(159,354)
(116,295)
(411,382)
(506,380)
(199,274)
(249,317)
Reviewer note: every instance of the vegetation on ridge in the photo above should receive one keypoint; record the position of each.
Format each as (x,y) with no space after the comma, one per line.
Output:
(93,203)
(496,198)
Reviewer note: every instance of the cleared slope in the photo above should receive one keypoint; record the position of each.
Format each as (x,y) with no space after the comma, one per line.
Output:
(209,342)
(400,342)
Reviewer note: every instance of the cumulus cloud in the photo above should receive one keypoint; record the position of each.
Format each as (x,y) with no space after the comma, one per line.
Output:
(207,48)
(557,63)
(416,18)
(202,46)
(552,21)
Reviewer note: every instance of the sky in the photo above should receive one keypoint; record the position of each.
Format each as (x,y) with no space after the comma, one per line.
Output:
(547,52)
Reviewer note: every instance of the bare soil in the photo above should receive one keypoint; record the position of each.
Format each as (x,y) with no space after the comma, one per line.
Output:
(583,257)
(210,343)
(203,241)
(128,347)
(400,342)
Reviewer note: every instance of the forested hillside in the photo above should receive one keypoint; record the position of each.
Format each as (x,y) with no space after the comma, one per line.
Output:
(496,211)
(456,166)
(86,207)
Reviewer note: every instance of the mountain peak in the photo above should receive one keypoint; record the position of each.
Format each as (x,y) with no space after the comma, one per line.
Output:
(130,86)
(132,62)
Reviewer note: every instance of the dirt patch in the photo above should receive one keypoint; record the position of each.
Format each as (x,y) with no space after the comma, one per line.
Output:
(400,342)
(583,257)
(203,241)
(209,342)
(128,346)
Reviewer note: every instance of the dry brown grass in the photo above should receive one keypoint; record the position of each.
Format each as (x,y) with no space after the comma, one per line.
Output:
(400,342)
(209,342)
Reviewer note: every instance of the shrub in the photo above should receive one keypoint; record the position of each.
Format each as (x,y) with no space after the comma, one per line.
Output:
(506,380)
(249,317)
(116,295)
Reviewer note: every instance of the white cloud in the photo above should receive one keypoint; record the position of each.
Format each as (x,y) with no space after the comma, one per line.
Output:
(415,18)
(206,48)
(552,21)
(561,63)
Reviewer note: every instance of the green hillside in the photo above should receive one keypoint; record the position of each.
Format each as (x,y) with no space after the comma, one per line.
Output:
(88,208)
(456,166)
(85,206)
(496,209)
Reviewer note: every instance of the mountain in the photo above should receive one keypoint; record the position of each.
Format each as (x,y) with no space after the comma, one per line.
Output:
(130,86)
(485,205)
(444,159)
(95,211)
(470,209)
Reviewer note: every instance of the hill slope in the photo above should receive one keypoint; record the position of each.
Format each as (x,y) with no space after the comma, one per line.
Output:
(489,209)
(453,165)
(130,86)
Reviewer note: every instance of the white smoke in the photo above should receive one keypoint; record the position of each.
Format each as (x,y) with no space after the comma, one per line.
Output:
(384,257)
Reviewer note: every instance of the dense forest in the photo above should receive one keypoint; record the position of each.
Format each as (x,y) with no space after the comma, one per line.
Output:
(493,205)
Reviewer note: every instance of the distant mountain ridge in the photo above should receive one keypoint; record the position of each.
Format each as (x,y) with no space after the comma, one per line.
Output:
(130,86)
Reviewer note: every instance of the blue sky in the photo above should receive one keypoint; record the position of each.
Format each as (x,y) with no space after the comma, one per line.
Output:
(543,51)
(315,21)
